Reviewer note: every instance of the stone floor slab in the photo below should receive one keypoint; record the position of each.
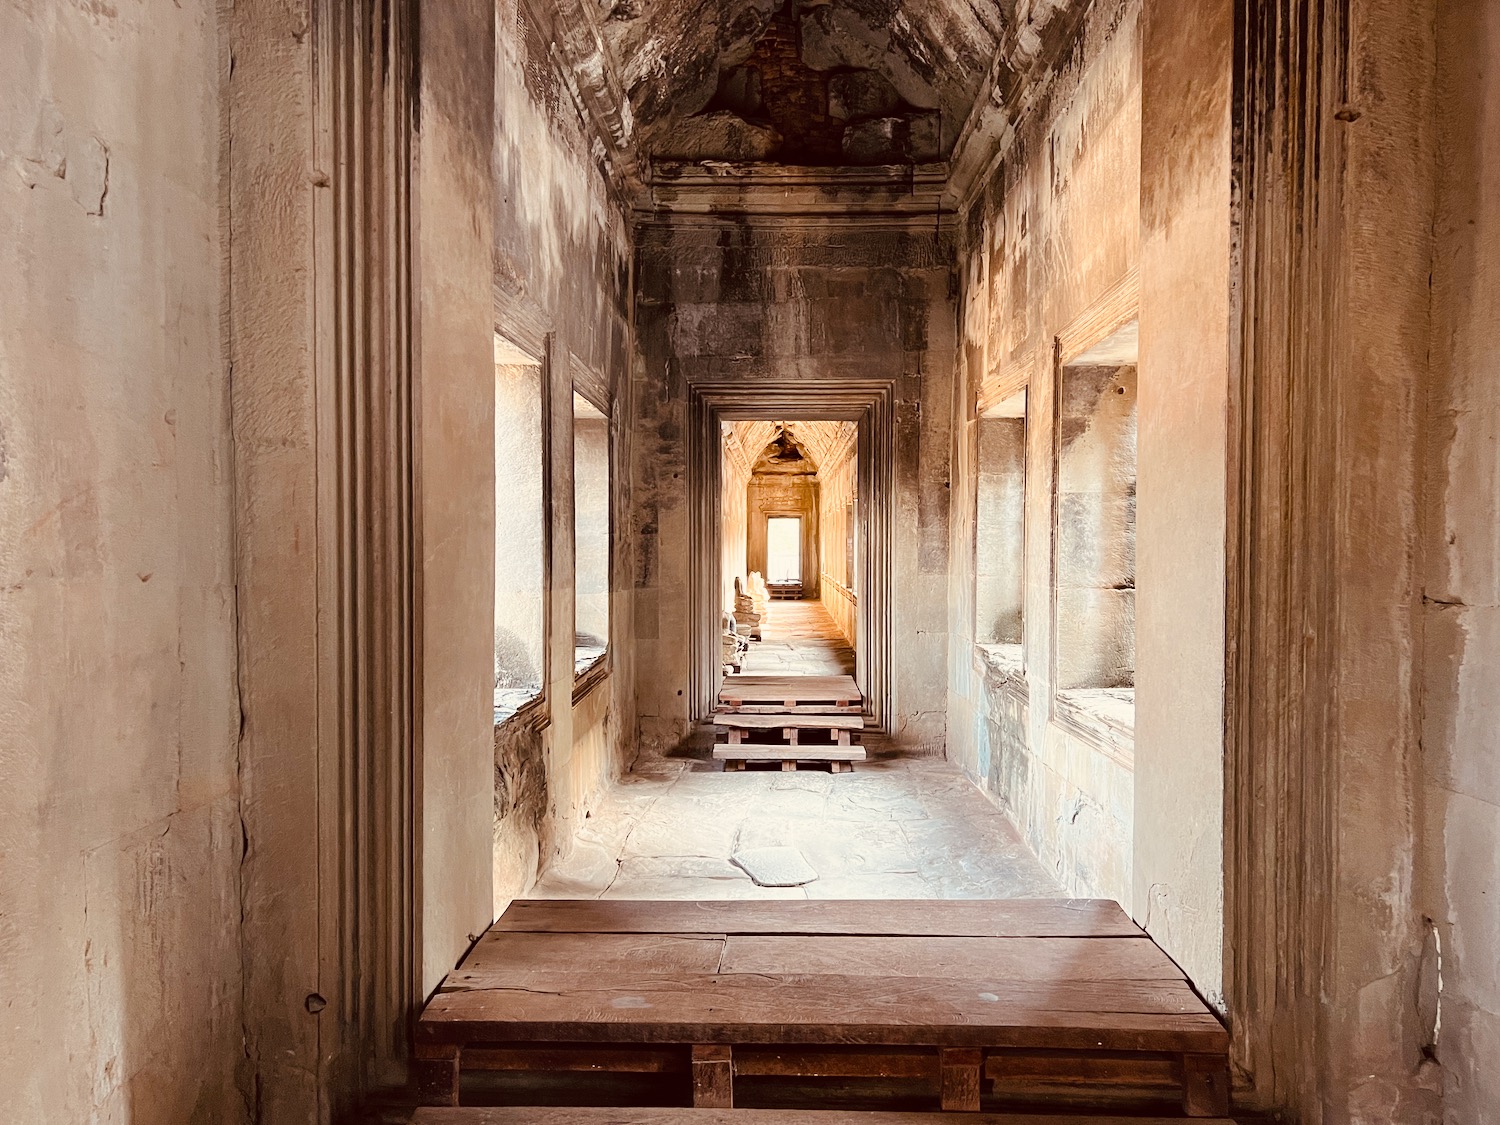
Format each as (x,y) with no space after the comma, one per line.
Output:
(774,867)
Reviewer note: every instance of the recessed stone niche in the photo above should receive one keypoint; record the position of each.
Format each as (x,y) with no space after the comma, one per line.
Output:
(1096,473)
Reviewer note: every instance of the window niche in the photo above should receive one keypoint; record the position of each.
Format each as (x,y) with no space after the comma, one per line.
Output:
(1095,543)
(1000,534)
(520,531)
(591,535)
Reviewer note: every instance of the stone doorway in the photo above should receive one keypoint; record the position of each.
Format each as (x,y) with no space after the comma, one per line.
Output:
(788,530)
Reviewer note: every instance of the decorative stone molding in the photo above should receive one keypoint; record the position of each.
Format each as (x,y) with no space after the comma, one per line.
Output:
(368,555)
(870,405)
(1282,597)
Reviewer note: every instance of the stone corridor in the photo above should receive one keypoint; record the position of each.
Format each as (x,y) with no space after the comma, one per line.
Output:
(898,827)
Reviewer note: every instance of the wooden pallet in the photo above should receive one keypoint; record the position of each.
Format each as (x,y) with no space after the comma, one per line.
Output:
(571,1115)
(1019,1000)
(790,694)
(840,759)
(791,728)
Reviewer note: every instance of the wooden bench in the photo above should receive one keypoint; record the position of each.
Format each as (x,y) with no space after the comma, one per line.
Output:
(1030,999)
(530,1115)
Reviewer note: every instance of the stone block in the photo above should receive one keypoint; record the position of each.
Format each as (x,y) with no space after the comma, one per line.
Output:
(856,95)
(881,140)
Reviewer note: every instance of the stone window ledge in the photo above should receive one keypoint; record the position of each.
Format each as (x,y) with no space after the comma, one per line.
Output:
(521,704)
(590,668)
(1104,717)
(1004,662)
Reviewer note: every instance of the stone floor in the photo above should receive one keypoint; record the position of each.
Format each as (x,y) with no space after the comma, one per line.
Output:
(799,639)
(896,827)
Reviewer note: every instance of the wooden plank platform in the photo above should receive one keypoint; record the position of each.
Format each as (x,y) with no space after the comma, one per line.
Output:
(736,756)
(569,1115)
(1015,999)
(737,721)
(790,693)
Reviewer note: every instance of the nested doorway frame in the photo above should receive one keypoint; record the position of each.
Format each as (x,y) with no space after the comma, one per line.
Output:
(869,404)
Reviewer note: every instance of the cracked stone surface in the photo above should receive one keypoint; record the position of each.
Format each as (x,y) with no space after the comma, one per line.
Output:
(897,827)
(774,867)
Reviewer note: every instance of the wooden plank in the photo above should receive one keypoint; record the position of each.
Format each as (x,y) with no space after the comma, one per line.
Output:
(966,958)
(789,709)
(654,1116)
(713,1076)
(756,752)
(960,1079)
(738,721)
(1037,917)
(789,1009)
(744,689)
(1205,1085)
(1032,1068)
(588,1059)
(434,1073)
(810,1062)
(643,953)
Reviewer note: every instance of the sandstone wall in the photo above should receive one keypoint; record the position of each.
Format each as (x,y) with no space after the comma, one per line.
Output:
(561,291)
(456,364)
(836,493)
(1460,614)
(119,820)
(1052,233)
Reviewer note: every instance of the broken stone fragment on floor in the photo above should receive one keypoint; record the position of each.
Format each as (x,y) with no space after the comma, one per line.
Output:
(774,867)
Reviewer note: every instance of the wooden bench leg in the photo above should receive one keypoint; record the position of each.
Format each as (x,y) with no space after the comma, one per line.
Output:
(961,1069)
(434,1074)
(713,1076)
(788,766)
(1205,1085)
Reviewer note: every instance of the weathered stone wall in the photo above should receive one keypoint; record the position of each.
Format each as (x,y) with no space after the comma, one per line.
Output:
(591,526)
(836,587)
(813,303)
(1096,528)
(999,530)
(119,819)
(1182,481)
(1460,615)
(734,517)
(520,528)
(561,286)
(1052,234)
(457,356)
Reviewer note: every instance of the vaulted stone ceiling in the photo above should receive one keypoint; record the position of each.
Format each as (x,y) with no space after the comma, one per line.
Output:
(804,81)
(820,442)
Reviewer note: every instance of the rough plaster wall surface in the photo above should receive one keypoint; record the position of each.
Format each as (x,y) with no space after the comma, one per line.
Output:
(1055,229)
(561,287)
(457,374)
(747,302)
(119,832)
(1461,611)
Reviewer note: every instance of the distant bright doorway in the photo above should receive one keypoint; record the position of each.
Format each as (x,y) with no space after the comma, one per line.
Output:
(784,550)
